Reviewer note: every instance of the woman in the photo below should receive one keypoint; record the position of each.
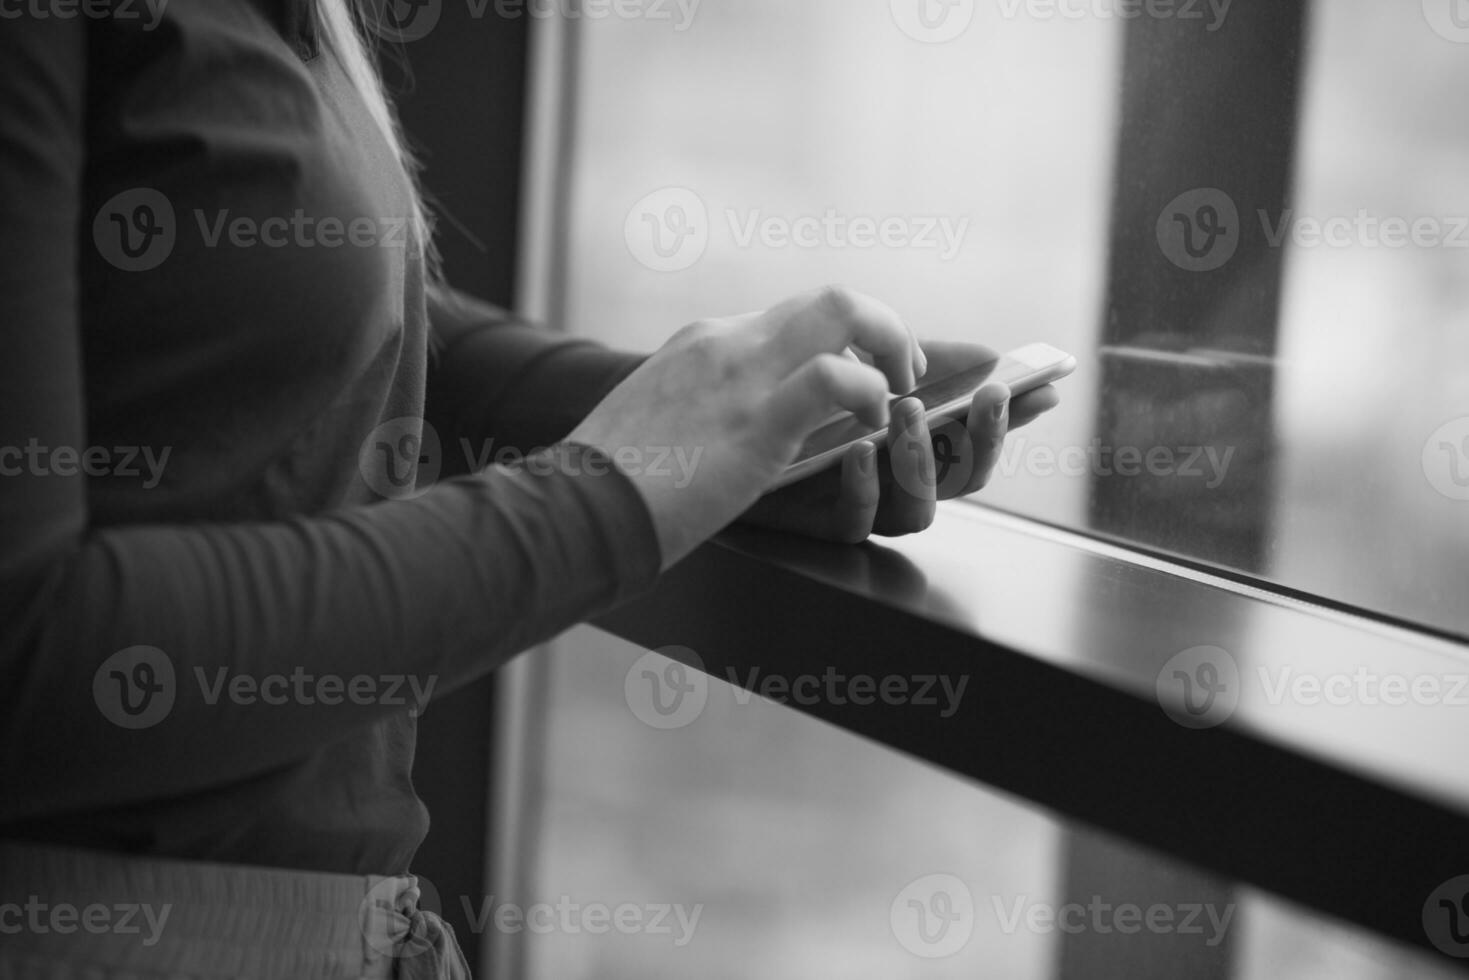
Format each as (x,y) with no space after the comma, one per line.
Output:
(215,265)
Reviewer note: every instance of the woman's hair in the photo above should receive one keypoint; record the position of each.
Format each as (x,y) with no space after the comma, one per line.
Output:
(343,27)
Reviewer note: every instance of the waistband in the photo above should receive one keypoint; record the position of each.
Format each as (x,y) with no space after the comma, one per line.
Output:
(145,916)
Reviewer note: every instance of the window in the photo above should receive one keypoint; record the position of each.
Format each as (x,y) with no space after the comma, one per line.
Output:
(1250,227)
(788,132)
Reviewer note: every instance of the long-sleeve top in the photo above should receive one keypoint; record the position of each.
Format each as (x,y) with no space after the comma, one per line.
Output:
(220,505)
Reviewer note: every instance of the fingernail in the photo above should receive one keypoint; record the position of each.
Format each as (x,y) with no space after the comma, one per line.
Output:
(1002,410)
(915,420)
(922,363)
(867,460)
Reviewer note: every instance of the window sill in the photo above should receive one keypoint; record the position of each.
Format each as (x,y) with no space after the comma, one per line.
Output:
(1358,810)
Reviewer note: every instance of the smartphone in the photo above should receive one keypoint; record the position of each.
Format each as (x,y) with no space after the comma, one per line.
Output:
(1023,370)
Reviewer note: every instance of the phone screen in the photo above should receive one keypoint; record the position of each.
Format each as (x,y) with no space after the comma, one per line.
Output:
(849,428)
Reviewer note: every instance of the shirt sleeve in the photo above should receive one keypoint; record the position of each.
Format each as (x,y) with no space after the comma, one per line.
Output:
(440,589)
(500,382)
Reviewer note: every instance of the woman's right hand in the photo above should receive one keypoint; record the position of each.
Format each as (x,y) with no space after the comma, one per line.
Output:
(738,397)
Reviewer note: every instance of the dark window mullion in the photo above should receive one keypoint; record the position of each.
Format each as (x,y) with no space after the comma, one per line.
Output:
(1207,142)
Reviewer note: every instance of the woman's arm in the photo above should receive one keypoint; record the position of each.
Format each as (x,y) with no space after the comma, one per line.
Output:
(497,383)
(502,384)
(443,587)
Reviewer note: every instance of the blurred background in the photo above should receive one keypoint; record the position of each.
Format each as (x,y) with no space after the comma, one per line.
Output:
(1036,139)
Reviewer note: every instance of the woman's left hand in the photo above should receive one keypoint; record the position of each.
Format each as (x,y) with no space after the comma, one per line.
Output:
(894,492)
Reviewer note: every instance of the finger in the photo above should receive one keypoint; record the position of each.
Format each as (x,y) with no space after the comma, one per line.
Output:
(856,509)
(911,496)
(989,421)
(920,355)
(1026,408)
(835,318)
(825,383)
(920,358)
(956,356)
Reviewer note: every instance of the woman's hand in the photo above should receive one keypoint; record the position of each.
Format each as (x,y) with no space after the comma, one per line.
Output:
(895,492)
(737,397)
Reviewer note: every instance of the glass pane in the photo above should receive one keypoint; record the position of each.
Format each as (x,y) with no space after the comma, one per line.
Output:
(784,847)
(1373,387)
(764,147)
